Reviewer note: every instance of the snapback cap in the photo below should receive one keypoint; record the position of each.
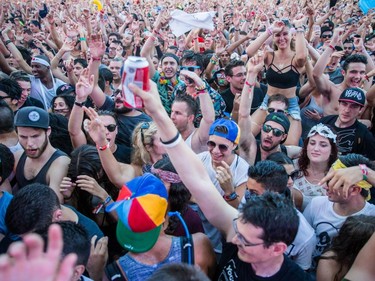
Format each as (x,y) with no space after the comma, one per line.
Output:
(279,118)
(227,129)
(353,95)
(33,117)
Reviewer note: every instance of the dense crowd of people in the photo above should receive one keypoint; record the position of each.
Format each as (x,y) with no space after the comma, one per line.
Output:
(252,156)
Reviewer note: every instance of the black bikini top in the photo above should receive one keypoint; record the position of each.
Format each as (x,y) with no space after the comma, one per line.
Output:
(282,80)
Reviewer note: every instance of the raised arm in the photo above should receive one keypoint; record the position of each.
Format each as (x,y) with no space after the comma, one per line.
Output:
(301,51)
(200,138)
(146,53)
(188,165)
(257,43)
(370,95)
(322,82)
(84,88)
(15,52)
(360,48)
(247,144)
(97,49)
(117,173)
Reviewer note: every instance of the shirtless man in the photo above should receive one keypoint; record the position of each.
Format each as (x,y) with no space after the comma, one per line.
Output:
(354,68)
(184,110)
(40,161)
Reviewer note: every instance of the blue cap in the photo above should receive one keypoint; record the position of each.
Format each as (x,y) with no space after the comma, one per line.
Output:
(227,129)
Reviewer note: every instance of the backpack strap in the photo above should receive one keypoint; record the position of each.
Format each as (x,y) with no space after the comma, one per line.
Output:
(187,250)
(114,272)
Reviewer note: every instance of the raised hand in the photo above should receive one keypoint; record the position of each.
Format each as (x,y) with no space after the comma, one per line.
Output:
(97,46)
(68,64)
(98,257)
(72,30)
(198,82)
(337,33)
(358,45)
(299,20)
(277,26)
(50,18)
(36,264)
(151,98)
(256,63)
(96,127)
(84,86)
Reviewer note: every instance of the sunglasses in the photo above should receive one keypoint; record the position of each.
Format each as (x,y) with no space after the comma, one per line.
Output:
(144,126)
(222,147)
(190,68)
(272,110)
(5,97)
(293,175)
(326,36)
(111,127)
(276,132)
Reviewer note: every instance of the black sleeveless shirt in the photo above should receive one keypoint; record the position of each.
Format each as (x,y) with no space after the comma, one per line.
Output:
(41,176)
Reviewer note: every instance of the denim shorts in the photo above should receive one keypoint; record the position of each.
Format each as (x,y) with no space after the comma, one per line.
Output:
(293,109)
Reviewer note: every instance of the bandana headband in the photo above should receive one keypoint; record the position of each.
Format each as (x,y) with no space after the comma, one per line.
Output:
(166,175)
(40,61)
(362,184)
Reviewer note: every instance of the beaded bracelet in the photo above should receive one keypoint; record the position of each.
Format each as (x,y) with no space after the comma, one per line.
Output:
(201,88)
(82,39)
(101,205)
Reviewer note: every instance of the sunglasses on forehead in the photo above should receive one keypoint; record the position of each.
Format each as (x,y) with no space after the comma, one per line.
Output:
(222,147)
(144,126)
(276,132)
(111,127)
(272,110)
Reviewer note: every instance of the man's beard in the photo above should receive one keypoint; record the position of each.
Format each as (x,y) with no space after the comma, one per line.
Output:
(122,110)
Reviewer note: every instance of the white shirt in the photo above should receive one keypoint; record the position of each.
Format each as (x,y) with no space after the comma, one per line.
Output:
(326,222)
(301,249)
(40,92)
(239,169)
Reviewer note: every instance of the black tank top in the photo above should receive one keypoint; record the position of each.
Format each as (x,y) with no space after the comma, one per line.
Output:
(258,156)
(278,78)
(41,176)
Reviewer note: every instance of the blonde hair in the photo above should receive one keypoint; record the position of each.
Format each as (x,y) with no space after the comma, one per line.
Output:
(142,136)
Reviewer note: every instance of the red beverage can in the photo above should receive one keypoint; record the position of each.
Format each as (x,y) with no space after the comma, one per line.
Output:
(135,71)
